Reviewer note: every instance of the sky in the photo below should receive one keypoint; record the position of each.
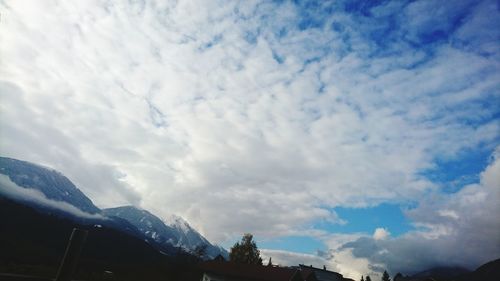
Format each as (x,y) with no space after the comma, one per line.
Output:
(360,135)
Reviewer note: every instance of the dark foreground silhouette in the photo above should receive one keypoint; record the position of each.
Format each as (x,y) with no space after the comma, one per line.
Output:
(33,243)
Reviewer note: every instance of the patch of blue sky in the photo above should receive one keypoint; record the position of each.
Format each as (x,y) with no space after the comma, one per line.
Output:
(251,37)
(474,113)
(366,220)
(337,26)
(362,7)
(215,40)
(392,31)
(380,25)
(310,22)
(314,13)
(384,34)
(278,58)
(486,110)
(435,30)
(381,33)
(282,32)
(300,244)
(309,61)
(454,174)
(321,88)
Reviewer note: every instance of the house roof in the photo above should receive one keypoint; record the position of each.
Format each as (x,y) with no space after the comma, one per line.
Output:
(248,271)
(319,274)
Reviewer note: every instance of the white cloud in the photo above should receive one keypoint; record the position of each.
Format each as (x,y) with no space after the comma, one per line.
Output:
(342,262)
(464,232)
(12,190)
(182,108)
(286,258)
(448,213)
(381,234)
(351,266)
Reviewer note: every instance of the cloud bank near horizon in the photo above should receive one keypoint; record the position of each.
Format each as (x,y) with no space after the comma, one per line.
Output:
(258,117)
(459,229)
(10,189)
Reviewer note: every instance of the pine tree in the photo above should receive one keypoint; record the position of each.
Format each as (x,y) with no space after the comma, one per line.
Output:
(245,251)
(368,278)
(385,276)
(362,279)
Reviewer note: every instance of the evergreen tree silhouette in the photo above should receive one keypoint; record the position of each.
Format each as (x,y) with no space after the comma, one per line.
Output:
(385,276)
(245,251)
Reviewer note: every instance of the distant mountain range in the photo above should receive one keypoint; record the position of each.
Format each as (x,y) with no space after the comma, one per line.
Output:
(40,206)
(487,272)
(54,185)
(174,232)
(441,272)
(51,192)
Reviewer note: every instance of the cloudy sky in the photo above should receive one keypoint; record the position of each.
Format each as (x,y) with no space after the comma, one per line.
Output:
(361,135)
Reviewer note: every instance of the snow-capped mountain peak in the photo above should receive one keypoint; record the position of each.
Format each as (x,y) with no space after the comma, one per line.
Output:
(171,231)
(178,222)
(54,185)
(166,235)
(150,225)
(188,235)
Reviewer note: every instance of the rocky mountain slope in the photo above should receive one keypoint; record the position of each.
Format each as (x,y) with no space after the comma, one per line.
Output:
(51,192)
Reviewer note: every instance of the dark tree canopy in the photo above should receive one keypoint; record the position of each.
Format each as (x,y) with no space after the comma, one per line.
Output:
(245,251)
(368,278)
(385,276)
(362,279)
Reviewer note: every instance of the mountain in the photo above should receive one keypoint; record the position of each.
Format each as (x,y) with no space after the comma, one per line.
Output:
(190,238)
(54,185)
(150,226)
(187,235)
(175,232)
(489,271)
(51,192)
(33,243)
(441,273)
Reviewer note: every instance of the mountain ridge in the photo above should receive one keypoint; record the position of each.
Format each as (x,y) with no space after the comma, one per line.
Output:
(175,231)
(52,183)
(52,192)
(488,271)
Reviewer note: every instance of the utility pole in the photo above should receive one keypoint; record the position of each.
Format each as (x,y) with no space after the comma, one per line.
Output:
(72,254)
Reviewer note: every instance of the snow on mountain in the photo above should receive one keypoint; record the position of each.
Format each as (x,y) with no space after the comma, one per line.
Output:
(54,185)
(51,190)
(191,238)
(173,232)
(150,225)
(188,236)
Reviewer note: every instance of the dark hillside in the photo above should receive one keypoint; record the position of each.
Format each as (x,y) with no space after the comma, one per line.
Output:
(441,273)
(33,243)
(487,272)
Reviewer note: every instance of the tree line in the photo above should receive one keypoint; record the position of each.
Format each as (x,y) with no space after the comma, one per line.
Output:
(246,251)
